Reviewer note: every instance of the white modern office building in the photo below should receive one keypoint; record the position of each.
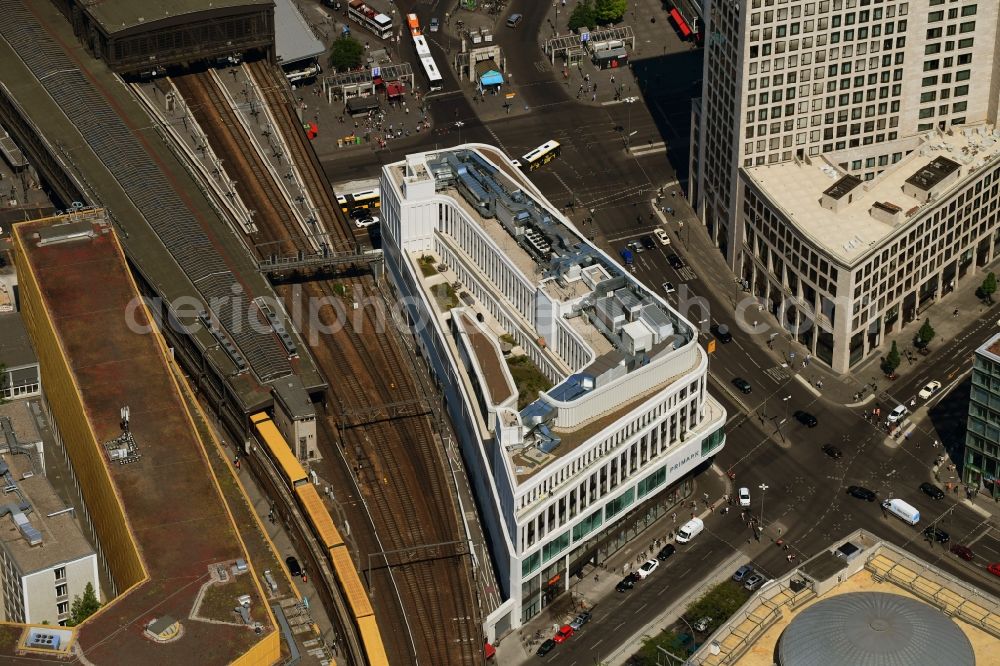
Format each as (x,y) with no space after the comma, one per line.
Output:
(851,88)
(842,262)
(578,396)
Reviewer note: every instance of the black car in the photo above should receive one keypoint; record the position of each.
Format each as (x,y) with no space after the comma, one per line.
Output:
(647,242)
(805,418)
(721,333)
(675,261)
(833,451)
(666,552)
(547,646)
(625,584)
(932,491)
(293,566)
(937,534)
(742,384)
(861,493)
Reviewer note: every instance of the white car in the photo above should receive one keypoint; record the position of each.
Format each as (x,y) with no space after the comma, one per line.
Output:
(930,389)
(661,236)
(367,221)
(897,414)
(648,567)
(744,496)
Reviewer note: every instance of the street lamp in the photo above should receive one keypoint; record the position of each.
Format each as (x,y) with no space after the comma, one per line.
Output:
(763,489)
(785,400)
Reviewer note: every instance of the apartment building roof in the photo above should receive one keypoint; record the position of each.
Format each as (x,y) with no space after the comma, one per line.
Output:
(876,209)
(59,537)
(15,348)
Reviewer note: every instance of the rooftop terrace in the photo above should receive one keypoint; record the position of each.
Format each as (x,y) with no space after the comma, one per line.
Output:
(176,517)
(848,229)
(627,343)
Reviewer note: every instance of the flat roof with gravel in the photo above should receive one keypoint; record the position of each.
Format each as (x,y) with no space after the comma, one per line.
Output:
(175,512)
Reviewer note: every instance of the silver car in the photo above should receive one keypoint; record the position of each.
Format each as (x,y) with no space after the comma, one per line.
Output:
(580,620)
(753,582)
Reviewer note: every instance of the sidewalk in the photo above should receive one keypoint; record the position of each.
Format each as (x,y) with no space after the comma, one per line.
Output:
(596,583)
(687,231)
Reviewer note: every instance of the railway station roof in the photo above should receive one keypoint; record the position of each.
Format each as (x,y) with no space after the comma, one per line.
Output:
(159,261)
(294,40)
(120,15)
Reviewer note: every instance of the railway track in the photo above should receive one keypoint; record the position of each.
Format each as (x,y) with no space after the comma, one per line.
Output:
(302,154)
(400,470)
(253,181)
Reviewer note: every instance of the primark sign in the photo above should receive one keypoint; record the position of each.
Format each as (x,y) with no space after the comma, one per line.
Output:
(685,458)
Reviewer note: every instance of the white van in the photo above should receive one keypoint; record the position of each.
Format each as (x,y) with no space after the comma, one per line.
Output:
(905,512)
(690,530)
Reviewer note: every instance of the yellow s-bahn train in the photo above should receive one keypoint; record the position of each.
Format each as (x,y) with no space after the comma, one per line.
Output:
(324,529)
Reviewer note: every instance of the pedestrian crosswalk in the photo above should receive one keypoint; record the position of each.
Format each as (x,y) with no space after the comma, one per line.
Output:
(687,274)
(648,149)
(778,373)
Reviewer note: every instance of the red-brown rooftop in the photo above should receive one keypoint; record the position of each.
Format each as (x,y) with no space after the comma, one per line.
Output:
(173,508)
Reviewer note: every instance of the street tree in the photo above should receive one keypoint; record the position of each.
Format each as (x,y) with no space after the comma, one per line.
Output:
(989,286)
(83,607)
(583,16)
(346,53)
(610,11)
(924,335)
(891,360)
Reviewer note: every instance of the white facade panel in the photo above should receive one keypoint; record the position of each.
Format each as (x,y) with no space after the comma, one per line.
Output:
(537,518)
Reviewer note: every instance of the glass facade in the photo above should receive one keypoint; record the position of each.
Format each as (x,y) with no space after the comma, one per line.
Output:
(981,461)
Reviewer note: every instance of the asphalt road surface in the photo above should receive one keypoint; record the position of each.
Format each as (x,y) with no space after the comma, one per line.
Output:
(805,497)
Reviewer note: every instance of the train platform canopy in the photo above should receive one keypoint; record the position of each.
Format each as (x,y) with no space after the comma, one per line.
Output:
(294,41)
(121,15)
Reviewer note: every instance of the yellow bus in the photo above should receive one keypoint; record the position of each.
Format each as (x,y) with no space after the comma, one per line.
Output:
(367,200)
(540,156)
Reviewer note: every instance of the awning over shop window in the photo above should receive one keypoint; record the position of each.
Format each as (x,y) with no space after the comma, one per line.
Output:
(394,89)
(681,23)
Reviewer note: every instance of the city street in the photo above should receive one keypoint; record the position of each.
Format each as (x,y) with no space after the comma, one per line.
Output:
(609,172)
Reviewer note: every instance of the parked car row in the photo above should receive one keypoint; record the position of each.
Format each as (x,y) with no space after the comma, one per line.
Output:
(564,634)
